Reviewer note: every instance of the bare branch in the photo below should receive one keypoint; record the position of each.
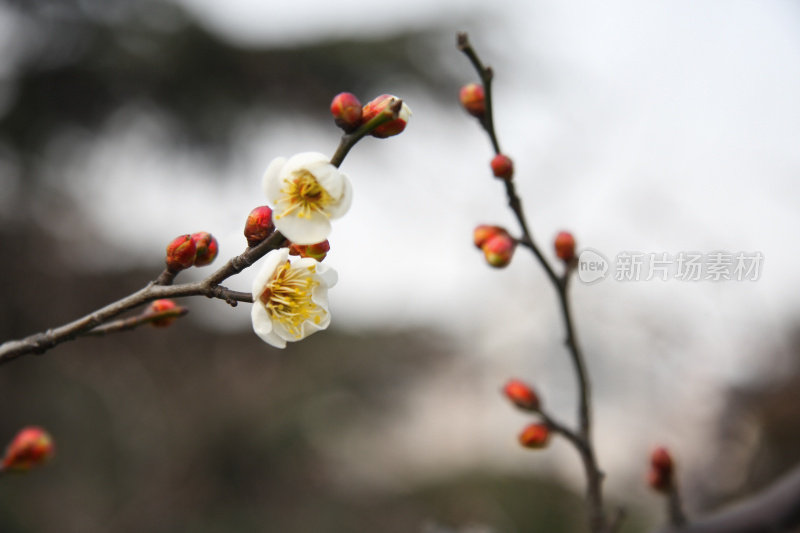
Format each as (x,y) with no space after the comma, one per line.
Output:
(776,509)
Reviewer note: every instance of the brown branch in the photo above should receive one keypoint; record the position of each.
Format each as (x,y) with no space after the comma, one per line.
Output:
(41,342)
(125,324)
(775,509)
(583,440)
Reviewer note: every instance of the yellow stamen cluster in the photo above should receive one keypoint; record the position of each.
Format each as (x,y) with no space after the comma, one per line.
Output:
(287,298)
(304,195)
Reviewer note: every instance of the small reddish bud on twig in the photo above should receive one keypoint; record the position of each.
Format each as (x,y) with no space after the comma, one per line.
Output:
(181,253)
(346,111)
(484,232)
(521,394)
(499,249)
(207,248)
(564,243)
(502,167)
(660,476)
(386,104)
(316,251)
(160,306)
(31,447)
(473,99)
(259,225)
(535,436)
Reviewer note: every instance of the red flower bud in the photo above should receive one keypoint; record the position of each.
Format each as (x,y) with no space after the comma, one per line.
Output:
(31,447)
(502,167)
(535,436)
(660,476)
(499,250)
(207,248)
(161,306)
(316,251)
(522,395)
(346,111)
(564,244)
(473,99)
(259,225)
(386,104)
(483,233)
(181,253)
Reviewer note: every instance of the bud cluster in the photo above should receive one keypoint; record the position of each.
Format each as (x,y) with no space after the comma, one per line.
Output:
(496,243)
(197,249)
(384,116)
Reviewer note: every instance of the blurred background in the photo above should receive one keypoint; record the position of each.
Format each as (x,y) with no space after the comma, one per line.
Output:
(659,127)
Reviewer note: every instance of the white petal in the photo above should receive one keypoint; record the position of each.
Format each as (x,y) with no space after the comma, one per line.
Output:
(304,230)
(272,261)
(330,178)
(301,161)
(346,198)
(271,182)
(263,327)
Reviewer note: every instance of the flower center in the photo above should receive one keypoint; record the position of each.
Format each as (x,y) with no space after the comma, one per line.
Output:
(287,298)
(304,195)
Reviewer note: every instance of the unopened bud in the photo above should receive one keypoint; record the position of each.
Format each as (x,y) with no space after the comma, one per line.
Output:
(499,250)
(346,111)
(522,395)
(164,307)
(484,232)
(660,476)
(316,251)
(473,99)
(259,225)
(181,253)
(386,104)
(31,447)
(564,243)
(207,248)
(535,436)
(502,166)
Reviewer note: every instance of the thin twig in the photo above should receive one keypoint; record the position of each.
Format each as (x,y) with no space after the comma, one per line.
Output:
(41,342)
(125,324)
(583,440)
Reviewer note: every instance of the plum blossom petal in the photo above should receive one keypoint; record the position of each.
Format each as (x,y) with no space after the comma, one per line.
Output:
(306,192)
(290,298)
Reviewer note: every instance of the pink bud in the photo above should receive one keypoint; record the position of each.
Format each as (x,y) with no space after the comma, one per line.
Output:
(502,167)
(535,436)
(483,233)
(181,253)
(473,99)
(316,251)
(346,111)
(31,447)
(564,244)
(207,248)
(660,476)
(522,395)
(161,306)
(499,250)
(259,225)
(386,104)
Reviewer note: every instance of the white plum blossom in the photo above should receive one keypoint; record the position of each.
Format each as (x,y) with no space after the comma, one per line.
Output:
(306,192)
(290,298)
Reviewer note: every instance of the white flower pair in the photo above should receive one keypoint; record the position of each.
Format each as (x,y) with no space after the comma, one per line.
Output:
(291,297)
